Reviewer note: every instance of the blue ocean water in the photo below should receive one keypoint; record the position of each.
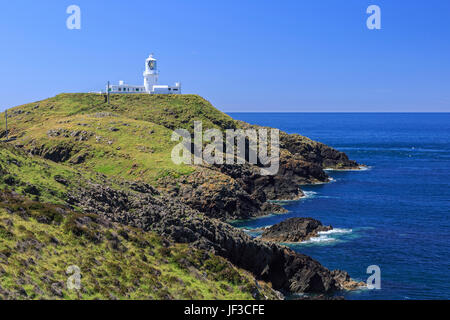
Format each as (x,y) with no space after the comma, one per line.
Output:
(395,215)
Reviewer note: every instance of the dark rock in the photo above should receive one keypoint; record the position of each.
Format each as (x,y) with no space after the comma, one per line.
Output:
(21,291)
(9,180)
(316,152)
(57,289)
(59,153)
(28,244)
(345,282)
(294,230)
(30,189)
(54,241)
(61,180)
(285,269)
(143,188)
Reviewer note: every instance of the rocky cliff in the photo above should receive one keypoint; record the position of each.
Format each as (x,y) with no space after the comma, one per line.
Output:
(115,161)
(287,270)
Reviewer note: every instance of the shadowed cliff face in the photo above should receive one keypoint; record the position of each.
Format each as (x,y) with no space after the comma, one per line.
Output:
(285,269)
(232,191)
(316,152)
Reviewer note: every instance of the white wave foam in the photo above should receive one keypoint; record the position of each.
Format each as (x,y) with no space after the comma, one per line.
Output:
(323,182)
(309,194)
(360,168)
(324,236)
(335,231)
(321,238)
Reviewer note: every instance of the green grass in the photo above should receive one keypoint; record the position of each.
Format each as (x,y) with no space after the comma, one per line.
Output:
(170,111)
(115,146)
(33,176)
(129,139)
(39,241)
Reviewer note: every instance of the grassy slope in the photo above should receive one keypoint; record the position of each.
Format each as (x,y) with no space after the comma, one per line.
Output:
(38,242)
(33,176)
(171,111)
(138,150)
(128,139)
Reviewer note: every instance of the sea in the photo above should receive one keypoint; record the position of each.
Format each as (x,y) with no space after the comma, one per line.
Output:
(395,214)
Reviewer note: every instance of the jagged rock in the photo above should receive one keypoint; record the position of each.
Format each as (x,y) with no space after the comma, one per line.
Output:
(294,230)
(78,135)
(285,269)
(143,187)
(28,244)
(345,282)
(56,288)
(59,153)
(303,148)
(316,152)
(61,180)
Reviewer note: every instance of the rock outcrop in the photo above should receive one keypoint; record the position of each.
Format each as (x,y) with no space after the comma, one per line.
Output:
(228,192)
(345,282)
(294,230)
(287,270)
(316,152)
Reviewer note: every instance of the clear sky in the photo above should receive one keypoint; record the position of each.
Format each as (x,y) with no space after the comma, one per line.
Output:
(246,55)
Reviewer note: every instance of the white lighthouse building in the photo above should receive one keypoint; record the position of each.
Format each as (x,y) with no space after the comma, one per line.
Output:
(150,86)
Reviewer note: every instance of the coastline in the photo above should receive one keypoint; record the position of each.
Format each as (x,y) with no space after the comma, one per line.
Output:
(192,205)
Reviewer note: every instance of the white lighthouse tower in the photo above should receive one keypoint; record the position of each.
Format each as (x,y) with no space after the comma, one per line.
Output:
(150,86)
(150,74)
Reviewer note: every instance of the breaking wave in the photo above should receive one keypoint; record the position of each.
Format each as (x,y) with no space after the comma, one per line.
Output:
(325,236)
(335,231)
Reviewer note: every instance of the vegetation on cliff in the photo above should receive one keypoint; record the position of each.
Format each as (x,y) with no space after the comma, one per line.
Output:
(38,242)
(108,168)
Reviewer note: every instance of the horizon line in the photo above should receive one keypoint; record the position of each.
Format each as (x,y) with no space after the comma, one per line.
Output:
(391,112)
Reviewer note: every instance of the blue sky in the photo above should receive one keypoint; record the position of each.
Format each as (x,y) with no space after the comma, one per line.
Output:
(257,56)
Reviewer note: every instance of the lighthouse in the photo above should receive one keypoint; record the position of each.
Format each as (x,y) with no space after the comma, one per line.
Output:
(150,86)
(150,74)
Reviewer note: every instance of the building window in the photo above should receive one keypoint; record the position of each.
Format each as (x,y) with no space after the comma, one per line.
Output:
(120,89)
